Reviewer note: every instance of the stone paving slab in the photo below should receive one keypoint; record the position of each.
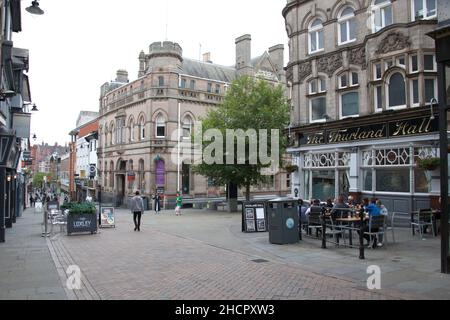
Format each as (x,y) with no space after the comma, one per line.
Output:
(27,271)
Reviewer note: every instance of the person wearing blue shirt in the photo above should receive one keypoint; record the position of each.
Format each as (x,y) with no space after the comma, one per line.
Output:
(373,210)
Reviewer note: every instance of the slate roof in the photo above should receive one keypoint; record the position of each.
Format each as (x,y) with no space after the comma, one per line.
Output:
(208,70)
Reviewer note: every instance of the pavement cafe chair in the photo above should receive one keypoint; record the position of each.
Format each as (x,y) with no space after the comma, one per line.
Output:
(335,231)
(389,225)
(423,218)
(315,220)
(59,220)
(375,223)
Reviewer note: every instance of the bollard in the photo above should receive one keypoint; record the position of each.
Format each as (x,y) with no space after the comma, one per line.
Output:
(361,235)
(324,229)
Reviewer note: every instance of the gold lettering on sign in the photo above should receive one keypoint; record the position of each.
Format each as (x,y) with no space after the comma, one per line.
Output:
(359,134)
(315,139)
(404,128)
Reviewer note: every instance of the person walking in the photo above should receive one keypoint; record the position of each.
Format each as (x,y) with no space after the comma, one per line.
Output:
(179,204)
(32,201)
(137,208)
(157,203)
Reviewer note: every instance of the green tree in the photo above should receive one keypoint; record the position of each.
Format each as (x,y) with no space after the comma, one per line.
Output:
(248,104)
(38,178)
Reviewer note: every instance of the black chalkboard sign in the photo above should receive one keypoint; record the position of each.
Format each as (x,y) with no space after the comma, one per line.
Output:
(79,223)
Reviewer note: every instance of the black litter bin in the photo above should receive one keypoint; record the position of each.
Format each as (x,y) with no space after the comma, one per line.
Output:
(254,216)
(283,221)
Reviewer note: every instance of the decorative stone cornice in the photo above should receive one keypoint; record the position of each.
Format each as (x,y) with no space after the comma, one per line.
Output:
(304,70)
(329,64)
(357,56)
(394,41)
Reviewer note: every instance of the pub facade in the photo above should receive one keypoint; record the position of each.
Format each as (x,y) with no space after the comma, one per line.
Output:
(363,89)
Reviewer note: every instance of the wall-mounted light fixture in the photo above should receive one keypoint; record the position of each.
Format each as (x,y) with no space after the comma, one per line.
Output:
(34,8)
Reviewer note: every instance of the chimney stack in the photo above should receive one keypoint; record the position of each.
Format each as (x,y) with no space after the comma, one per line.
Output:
(122,76)
(243,54)
(207,57)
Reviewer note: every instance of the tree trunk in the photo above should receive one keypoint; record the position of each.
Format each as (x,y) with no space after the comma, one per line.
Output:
(247,191)
(232,197)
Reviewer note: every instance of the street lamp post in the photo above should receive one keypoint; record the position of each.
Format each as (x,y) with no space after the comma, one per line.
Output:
(441,36)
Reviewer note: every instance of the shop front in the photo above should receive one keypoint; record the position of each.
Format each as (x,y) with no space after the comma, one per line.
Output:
(378,158)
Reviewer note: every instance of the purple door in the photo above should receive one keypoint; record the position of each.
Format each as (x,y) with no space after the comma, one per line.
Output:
(160,173)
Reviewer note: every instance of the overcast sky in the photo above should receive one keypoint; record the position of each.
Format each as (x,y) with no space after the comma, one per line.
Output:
(76,46)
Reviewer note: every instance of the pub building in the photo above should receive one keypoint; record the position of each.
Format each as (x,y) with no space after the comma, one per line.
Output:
(363,92)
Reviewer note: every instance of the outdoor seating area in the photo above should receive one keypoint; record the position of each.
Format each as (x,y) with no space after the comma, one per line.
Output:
(367,225)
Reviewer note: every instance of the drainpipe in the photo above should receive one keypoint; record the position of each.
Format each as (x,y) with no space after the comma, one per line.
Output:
(178,138)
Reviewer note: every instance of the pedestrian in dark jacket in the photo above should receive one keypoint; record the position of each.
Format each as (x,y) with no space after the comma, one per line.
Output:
(157,203)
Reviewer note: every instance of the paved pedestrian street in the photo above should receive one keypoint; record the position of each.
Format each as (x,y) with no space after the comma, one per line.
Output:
(204,255)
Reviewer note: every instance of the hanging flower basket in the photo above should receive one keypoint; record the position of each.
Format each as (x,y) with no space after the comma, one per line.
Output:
(429,164)
(290,168)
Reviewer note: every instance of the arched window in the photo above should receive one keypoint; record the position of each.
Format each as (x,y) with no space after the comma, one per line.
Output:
(111,175)
(131,130)
(396,97)
(141,173)
(315,36)
(187,127)
(105,184)
(142,128)
(381,14)
(112,135)
(347,26)
(130,175)
(160,127)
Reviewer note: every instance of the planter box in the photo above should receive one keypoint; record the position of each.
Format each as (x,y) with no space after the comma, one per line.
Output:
(77,223)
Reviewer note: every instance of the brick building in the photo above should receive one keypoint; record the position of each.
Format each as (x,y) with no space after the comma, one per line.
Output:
(363,81)
(138,119)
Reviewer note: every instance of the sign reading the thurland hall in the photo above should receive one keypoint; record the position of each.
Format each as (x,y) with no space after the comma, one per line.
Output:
(394,129)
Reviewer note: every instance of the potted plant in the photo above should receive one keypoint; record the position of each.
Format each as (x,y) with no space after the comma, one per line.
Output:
(81,217)
(290,168)
(429,164)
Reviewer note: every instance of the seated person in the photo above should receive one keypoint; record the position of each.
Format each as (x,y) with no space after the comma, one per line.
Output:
(372,209)
(351,202)
(329,203)
(339,204)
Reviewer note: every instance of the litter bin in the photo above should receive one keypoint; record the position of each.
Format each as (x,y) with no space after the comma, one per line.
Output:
(254,216)
(283,221)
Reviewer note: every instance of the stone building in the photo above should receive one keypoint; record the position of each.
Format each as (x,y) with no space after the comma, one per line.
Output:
(363,77)
(139,119)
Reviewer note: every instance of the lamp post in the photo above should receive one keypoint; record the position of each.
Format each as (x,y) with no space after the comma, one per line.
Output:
(441,36)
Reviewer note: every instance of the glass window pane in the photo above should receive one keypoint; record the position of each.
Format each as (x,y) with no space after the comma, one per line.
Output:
(352,26)
(323,183)
(429,90)
(321,39)
(395,180)
(343,80)
(428,62)
(378,71)
(350,104)
(323,85)
(344,183)
(316,23)
(318,108)
(377,20)
(343,32)
(387,16)
(347,12)
(418,9)
(313,41)
(306,175)
(431,8)
(421,178)
(414,64)
(397,95)
(447,83)
(367,178)
(312,87)
(355,80)
(379,98)
(415,85)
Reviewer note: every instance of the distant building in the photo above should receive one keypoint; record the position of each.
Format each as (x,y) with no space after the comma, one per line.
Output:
(138,119)
(84,155)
